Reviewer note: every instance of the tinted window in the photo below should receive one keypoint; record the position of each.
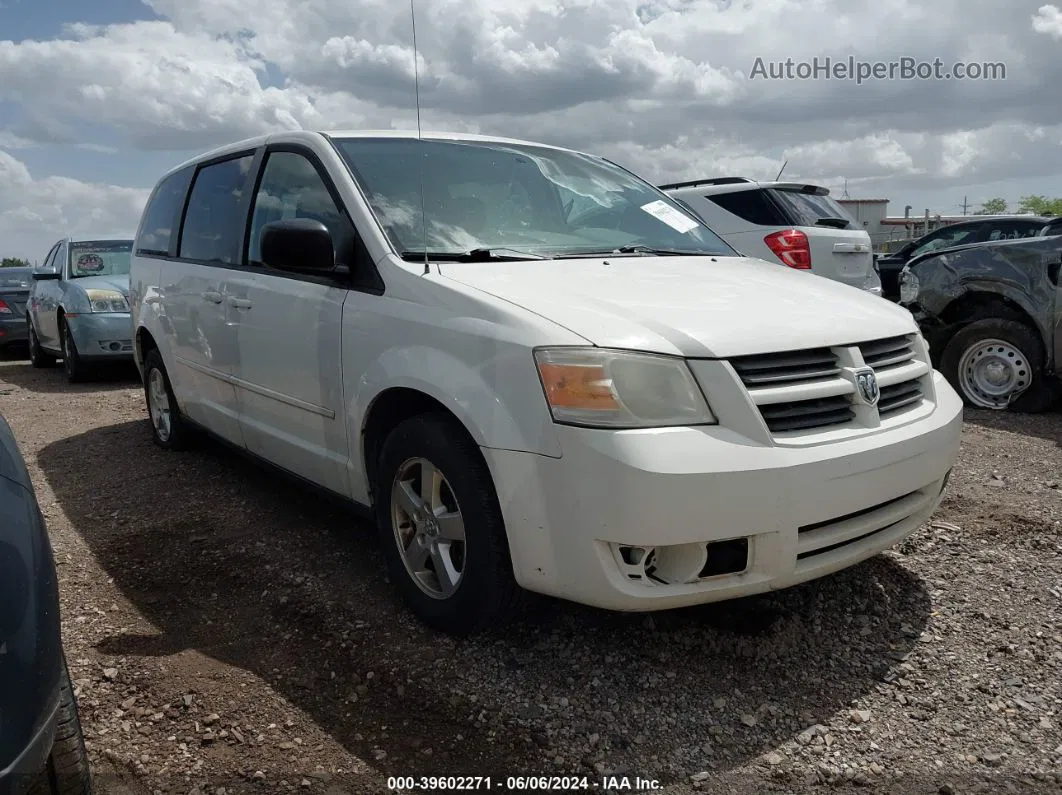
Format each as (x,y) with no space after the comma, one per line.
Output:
(753,206)
(100,258)
(808,208)
(162,214)
(213,225)
(291,188)
(530,199)
(1012,230)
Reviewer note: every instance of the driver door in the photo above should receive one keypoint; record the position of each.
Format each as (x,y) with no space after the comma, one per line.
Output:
(48,296)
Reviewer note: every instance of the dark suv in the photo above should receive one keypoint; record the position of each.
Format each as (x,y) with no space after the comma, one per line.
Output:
(976,230)
(41,746)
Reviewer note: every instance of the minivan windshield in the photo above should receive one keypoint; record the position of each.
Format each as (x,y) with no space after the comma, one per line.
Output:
(517,199)
(100,258)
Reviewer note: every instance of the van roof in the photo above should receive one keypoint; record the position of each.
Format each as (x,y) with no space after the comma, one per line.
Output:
(293,136)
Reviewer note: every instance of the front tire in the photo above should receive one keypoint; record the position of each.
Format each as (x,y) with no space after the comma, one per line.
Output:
(998,364)
(67,770)
(38,357)
(441,527)
(169,429)
(76,369)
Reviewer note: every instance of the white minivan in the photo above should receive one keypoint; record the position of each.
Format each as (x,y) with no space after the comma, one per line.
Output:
(538,372)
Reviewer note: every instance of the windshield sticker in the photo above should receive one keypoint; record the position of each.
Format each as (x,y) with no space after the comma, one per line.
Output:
(663,211)
(90,263)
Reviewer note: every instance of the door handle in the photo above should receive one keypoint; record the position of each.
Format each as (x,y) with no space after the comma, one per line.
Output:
(239,303)
(212,297)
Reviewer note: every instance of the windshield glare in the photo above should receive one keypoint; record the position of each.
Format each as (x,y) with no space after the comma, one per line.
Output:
(526,199)
(100,258)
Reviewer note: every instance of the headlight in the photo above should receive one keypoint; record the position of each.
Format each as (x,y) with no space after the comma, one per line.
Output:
(600,388)
(909,286)
(107,301)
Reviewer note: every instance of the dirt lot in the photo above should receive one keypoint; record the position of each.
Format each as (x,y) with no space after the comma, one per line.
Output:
(230,632)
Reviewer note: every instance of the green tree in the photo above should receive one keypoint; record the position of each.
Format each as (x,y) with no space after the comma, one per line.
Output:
(14,262)
(996,206)
(1040,205)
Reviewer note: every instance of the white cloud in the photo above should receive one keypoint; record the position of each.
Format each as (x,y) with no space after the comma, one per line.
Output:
(36,212)
(1048,19)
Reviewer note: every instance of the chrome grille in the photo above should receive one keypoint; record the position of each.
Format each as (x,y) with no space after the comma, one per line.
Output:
(898,396)
(807,389)
(779,368)
(793,371)
(887,353)
(800,415)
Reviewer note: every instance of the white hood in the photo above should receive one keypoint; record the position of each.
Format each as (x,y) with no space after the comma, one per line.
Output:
(691,306)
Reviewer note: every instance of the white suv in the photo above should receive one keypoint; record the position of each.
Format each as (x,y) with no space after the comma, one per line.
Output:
(787,222)
(539,374)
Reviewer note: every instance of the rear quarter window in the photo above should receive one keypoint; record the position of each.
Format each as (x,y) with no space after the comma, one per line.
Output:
(162,214)
(752,206)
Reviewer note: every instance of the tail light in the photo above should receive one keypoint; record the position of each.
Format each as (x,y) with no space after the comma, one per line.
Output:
(791,247)
(4,308)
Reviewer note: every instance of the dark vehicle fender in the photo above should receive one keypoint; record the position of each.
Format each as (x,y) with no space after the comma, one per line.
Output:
(960,285)
(31,657)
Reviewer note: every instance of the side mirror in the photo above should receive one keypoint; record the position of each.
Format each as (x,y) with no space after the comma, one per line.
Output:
(298,244)
(44,276)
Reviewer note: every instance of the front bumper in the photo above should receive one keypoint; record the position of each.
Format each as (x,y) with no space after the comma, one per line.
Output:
(104,335)
(13,329)
(802,511)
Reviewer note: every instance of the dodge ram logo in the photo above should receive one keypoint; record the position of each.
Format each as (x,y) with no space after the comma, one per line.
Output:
(867,385)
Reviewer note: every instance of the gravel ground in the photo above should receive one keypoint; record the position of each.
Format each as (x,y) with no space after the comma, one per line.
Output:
(230,632)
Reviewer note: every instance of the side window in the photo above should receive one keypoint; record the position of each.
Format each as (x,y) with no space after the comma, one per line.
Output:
(1012,230)
(292,188)
(213,226)
(162,214)
(752,206)
(946,238)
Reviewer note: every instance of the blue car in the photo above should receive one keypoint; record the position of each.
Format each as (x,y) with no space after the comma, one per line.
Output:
(78,308)
(42,748)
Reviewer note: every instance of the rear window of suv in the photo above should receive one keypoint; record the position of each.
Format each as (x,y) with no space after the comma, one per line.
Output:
(778,207)
(808,208)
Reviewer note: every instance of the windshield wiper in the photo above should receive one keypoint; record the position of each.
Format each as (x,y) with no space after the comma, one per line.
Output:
(473,255)
(643,251)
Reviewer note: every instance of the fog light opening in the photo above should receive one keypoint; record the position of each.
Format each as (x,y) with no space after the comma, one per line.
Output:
(725,557)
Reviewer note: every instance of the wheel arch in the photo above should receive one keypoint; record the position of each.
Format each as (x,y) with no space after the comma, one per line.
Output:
(143,342)
(980,304)
(386,412)
(498,402)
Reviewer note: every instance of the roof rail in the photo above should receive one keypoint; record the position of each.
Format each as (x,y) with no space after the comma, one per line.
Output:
(712,181)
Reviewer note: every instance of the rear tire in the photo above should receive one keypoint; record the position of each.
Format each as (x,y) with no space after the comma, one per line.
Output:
(67,770)
(76,369)
(998,364)
(479,590)
(38,357)
(169,429)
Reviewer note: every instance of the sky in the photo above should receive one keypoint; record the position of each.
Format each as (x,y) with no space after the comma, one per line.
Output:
(98,99)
